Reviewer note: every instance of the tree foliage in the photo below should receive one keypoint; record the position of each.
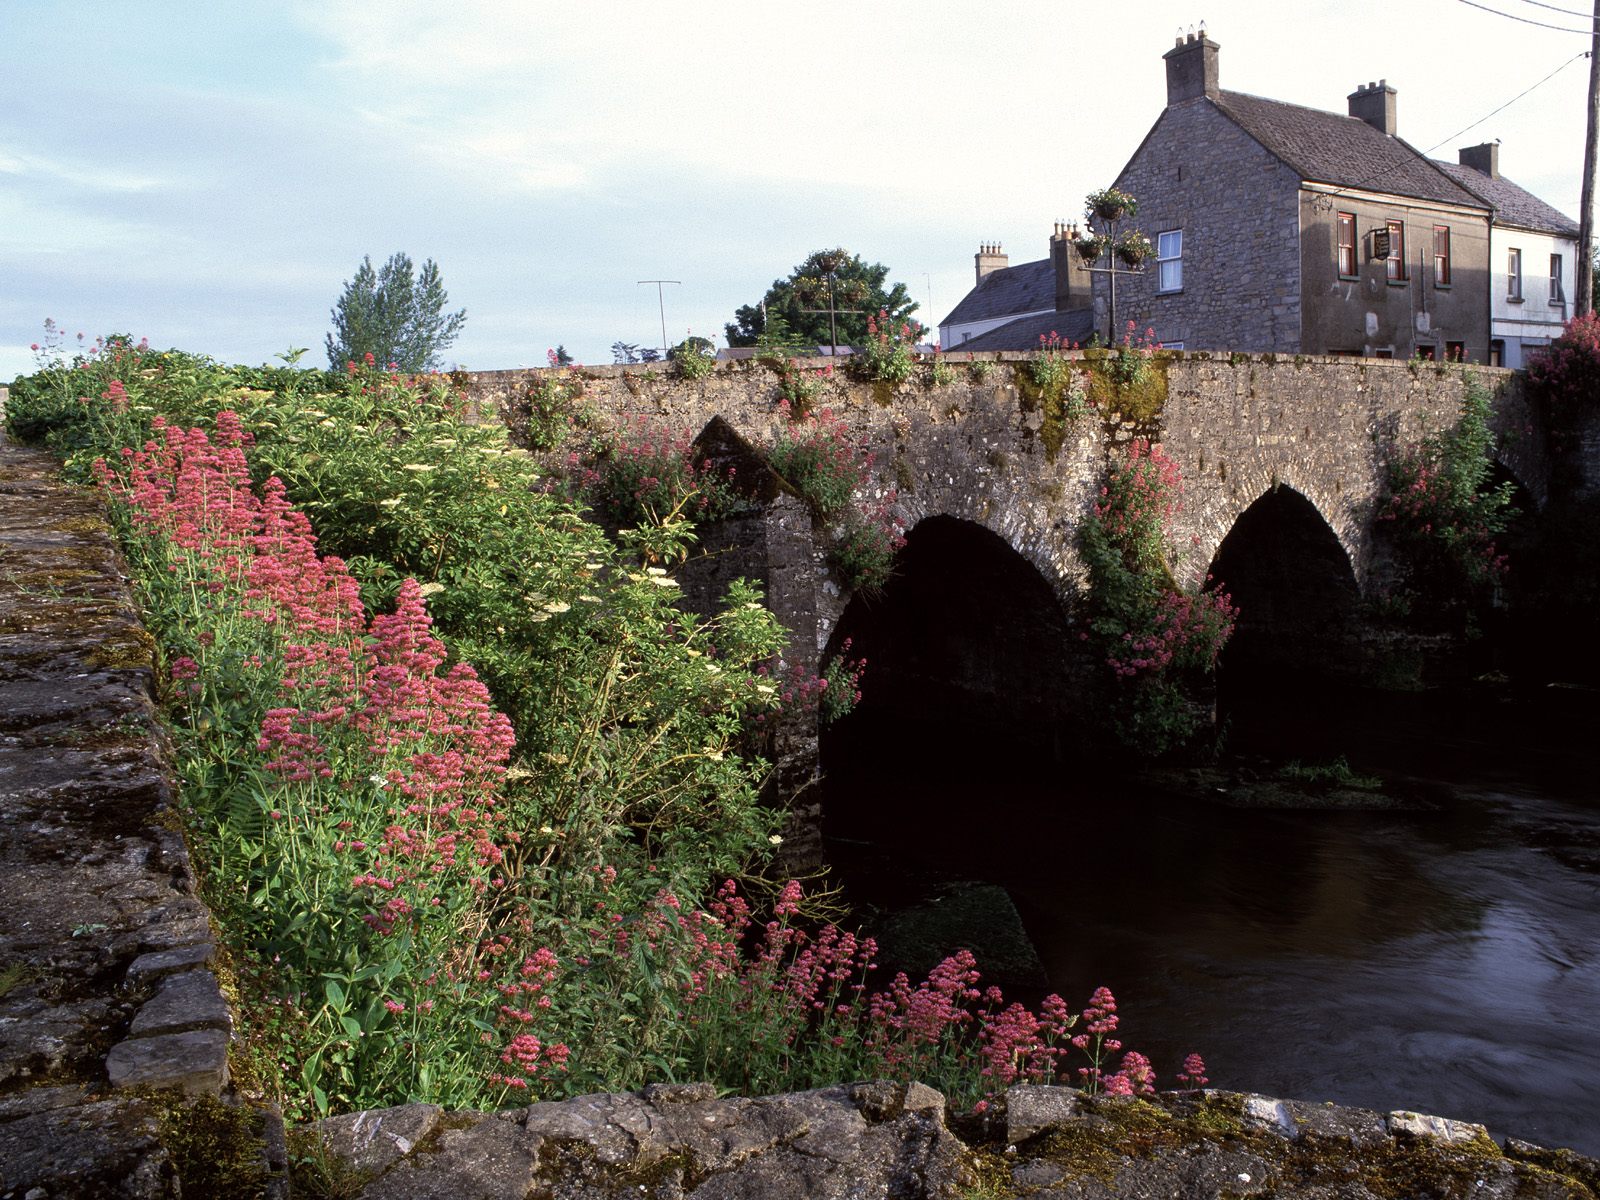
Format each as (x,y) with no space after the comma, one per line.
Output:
(395,314)
(858,286)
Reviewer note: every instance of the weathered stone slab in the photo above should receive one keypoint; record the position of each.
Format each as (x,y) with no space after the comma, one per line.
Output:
(195,1063)
(192,1000)
(111,1148)
(1032,1110)
(1410,1124)
(149,967)
(489,1159)
(1271,1116)
(376,1140)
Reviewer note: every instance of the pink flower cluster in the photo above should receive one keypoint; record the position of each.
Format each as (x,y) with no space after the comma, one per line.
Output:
(363,701)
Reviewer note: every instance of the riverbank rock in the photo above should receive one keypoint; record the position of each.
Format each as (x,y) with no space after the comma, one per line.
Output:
(682,1142)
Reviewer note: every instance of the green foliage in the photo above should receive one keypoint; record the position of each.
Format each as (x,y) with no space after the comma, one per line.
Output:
(393,316)
(1443,511)
(549,408)
(799,387)
(1337,773)
(645,475)
(1157,641)
(889,352)
(1109,204)
(695,358)
(853,285)
(817,458)
(632,718)
(864,553)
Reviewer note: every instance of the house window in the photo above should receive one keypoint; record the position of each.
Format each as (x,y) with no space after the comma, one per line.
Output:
(1169,261)
(1514,276)
(1497,353)
(1556,295)
(1441,256)
(1426,353)
(1397,252)
(1347,245)
(1455,351)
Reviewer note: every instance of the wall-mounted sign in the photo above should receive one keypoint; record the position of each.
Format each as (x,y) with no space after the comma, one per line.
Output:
(1378,244)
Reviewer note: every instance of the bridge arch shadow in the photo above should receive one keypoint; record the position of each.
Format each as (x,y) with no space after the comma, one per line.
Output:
(1296,647)
(971,677)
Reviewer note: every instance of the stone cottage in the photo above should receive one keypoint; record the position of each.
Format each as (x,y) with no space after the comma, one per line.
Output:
(1289,229)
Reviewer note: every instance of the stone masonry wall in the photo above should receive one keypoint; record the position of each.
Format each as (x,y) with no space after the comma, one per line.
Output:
(1237,425)
(1237,206)
(106,982)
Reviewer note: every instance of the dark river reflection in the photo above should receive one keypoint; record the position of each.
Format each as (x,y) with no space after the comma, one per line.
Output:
(1446,961)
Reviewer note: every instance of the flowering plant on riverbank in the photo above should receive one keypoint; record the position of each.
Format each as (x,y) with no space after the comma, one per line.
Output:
(473,883)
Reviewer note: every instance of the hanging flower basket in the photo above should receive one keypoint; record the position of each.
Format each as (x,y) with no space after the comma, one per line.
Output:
(1110,205)
(1133,248)
(1089,246)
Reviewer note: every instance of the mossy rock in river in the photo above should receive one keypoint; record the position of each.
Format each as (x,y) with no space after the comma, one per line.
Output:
(973,916)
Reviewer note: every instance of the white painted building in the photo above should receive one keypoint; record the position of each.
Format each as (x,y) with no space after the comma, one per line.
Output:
(1533,258)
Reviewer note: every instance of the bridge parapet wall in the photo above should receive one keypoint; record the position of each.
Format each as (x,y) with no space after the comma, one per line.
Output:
(1237,425)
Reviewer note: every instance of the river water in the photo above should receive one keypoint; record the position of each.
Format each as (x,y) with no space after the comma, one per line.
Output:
(1444,959)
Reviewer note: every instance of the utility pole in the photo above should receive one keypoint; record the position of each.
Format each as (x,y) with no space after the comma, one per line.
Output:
(1584,300)
(662,304)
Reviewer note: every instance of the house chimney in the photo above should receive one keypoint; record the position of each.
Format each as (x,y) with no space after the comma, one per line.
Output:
(1484,159)
(1191,68)
(1072,273)
(990,258)
(1374,104)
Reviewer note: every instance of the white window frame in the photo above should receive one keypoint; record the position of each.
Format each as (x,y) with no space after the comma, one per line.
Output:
(1557,296)
(1513,273)
(1169,260)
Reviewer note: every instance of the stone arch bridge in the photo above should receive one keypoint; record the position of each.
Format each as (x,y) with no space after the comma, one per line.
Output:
(1282,461)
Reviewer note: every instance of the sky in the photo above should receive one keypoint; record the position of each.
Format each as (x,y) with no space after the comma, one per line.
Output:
(208,175)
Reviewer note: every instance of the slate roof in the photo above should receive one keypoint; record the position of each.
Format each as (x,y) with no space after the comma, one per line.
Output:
(1325,147)
(1026,287)
(1512,205)
(1073,325)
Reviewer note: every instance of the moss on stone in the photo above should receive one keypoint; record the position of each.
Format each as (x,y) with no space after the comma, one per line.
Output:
(216,1148)
(134,651)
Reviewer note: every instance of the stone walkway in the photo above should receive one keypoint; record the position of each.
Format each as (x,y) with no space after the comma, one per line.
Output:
(104,949)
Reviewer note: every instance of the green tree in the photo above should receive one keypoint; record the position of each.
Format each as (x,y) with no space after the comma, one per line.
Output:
(855,285)
(395,314)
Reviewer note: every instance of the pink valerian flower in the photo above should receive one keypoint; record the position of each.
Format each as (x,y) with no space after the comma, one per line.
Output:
(1194,1072)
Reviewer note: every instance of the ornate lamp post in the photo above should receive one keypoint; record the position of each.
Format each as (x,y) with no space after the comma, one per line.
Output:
(1109,208)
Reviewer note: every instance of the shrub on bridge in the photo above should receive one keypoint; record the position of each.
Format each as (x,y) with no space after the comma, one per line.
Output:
(1442,511)
(645,474)
(1156,641)
(1566,374)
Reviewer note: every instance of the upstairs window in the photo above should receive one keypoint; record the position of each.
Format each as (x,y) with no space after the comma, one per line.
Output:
(1514,275)
(1397,252)
(1557,296)
(1347,245)
(1441,256)
(1169,261)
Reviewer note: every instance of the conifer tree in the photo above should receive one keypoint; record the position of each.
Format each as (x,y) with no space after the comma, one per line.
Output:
(396,315)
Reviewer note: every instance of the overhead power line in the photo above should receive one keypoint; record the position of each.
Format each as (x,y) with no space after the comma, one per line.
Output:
(1510,102)
(1571,12)
(1526,20)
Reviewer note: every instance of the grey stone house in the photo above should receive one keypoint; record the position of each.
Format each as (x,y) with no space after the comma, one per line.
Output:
(1283,228)
(1011,308)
